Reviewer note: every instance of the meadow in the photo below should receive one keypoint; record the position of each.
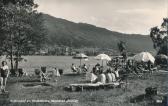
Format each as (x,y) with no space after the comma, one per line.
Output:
(56,90)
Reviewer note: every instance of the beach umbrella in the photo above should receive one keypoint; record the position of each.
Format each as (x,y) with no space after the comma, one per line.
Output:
(144,57)
(103,57)
(80,56)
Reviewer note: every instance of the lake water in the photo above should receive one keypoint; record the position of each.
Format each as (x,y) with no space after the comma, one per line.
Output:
(64,62)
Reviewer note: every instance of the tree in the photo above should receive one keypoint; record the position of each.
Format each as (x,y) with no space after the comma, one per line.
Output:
(159,37)
(22,29)
(122,49)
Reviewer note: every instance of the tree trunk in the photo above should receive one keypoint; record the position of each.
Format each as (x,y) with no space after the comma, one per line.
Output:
(17,61)
(17,53)
(16,64)
(17,58)
(11,56)
(11,52)
(11,59)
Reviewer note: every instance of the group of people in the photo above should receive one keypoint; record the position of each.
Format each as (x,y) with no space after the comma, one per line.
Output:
(82,68)
(138,67)
(100,74)
(54,73)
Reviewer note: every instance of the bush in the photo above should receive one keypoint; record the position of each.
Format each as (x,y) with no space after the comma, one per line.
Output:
(13,72)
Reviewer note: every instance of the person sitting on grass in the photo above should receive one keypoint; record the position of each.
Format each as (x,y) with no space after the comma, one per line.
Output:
(141,67)
(43,76)
(20,71)
(55,74)
(116,72)
(102,77)
(91,77)
(149,65)
(94,71)
(97,65)
(73,67)
(108,75)
(128,66)
(138,69)
(135,68)
(84,67)
(113,77)
(4,75)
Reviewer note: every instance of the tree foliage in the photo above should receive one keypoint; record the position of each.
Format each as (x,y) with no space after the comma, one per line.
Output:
(122,49)
(121,46)
(21,29)
(159,37)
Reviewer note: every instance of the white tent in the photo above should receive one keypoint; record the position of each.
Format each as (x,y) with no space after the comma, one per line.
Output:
(144,56)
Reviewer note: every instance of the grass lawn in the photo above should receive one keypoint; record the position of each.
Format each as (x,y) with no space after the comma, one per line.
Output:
(103,97)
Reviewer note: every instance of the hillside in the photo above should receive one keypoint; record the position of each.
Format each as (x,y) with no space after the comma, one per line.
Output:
(63,32)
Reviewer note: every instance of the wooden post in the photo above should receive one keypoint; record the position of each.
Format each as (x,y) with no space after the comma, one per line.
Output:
(82,88)
(80,63)
(73,88)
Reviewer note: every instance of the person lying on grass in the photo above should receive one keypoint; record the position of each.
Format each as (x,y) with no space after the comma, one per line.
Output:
(4,75)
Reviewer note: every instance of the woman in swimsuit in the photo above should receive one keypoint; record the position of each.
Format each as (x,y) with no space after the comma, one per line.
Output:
(4,71)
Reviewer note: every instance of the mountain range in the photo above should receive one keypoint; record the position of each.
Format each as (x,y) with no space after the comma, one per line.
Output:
(79,35)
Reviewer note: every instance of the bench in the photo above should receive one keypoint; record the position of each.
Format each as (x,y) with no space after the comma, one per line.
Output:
(82,86)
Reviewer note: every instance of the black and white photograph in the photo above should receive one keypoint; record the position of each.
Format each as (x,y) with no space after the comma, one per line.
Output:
(83,52)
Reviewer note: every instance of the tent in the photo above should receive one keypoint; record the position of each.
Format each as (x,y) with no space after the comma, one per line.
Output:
(144,57)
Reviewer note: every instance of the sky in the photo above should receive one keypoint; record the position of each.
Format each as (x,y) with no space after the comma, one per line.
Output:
(126,16)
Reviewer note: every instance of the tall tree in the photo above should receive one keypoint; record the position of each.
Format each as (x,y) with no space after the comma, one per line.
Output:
(22,29)
(122,49)
(159,37)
